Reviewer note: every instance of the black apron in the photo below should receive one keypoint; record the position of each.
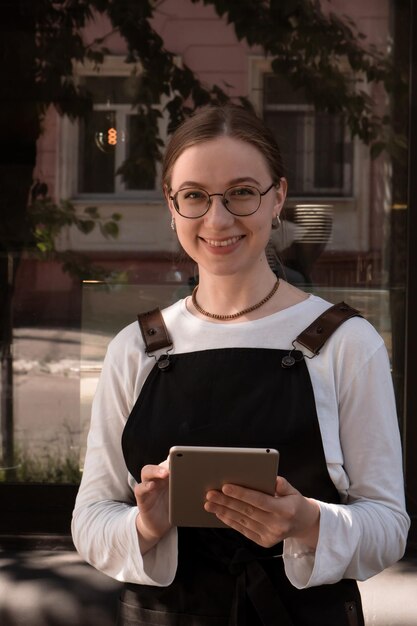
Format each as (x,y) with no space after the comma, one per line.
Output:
(233,397)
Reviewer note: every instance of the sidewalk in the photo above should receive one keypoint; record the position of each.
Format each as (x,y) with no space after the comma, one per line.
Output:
(390,598)
(49,585)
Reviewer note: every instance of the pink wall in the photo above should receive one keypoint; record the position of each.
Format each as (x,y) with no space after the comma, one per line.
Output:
(208,45)
(370,15)
(194,31)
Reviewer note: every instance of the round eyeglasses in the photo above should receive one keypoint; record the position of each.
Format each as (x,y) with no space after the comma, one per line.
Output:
(240,200)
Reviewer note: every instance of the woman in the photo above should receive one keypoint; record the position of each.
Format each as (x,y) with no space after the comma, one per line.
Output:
(338,512)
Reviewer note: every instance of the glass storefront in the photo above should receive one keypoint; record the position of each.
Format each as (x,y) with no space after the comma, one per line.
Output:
(344,237)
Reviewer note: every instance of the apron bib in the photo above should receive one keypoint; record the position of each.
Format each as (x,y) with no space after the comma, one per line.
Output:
(233,397)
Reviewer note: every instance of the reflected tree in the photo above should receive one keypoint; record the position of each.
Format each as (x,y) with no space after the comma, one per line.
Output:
(41,39)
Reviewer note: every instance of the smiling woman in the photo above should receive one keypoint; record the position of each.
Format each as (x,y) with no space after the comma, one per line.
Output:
(238,374)
(223,201)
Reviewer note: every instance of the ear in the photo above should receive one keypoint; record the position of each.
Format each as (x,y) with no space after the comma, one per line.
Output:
(169,201)
(281,194)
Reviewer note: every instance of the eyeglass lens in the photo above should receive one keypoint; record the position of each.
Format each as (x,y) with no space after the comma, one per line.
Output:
(242,200)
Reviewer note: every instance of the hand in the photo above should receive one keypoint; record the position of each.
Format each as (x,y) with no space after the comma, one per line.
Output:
(151,496)
(266,519)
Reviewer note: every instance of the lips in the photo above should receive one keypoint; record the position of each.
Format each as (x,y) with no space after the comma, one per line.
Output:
(222,243)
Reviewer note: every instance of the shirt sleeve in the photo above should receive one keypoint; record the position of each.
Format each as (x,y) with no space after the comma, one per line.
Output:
(104,517)
(368,531)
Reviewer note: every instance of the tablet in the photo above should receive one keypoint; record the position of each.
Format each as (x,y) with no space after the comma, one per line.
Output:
(194,470)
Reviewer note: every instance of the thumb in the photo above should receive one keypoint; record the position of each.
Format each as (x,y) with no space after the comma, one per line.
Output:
(165,464)
(284,488)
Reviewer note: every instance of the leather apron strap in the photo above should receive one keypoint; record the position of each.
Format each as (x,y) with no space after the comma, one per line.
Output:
(156,336)
(315,336)
(154,332)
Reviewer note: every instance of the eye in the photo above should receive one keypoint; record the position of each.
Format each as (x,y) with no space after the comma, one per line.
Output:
(242,192)
(193,194)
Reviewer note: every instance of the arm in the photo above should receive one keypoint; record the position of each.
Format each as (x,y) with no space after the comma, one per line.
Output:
(323,542)
(104,519)
(368,532)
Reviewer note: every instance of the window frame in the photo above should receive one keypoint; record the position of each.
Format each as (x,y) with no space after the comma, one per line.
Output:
(69,135)
(308,132)
(258,67)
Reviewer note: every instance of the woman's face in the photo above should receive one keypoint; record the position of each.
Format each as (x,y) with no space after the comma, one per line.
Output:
(219,242)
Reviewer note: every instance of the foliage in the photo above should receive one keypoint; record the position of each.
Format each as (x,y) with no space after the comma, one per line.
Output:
(315,49)
(45,466)
(47,219)
(321,53)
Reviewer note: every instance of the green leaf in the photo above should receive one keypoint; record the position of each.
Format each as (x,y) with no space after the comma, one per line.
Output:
(85,226)
(91,210)
(111,229)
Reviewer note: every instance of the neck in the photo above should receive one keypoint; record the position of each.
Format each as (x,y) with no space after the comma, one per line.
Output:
(227,295)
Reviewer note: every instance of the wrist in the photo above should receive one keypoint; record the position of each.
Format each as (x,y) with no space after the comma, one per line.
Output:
(146,539)
(310,535)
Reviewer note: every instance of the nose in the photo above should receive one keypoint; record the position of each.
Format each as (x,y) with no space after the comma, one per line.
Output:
(218,216)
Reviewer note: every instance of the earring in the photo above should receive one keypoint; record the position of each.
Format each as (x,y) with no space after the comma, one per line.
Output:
(276,222)
(173,223)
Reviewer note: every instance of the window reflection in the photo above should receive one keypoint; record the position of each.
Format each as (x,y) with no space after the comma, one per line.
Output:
(343,234)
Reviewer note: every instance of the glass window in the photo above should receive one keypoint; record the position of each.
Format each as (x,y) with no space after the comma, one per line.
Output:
(316,149)
(96,155)
(114,155)
(140,172)
(343,237)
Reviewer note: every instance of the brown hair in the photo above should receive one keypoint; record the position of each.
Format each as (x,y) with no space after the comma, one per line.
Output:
(228,120)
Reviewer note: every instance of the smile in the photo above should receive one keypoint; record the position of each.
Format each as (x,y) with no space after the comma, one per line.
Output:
(215,243)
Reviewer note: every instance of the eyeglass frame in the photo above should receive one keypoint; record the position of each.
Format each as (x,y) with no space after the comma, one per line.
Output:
(210,202)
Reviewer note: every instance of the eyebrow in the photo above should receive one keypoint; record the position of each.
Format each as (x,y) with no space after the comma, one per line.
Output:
(233,181)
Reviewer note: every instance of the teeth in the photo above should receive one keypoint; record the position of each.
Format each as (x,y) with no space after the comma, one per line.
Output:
(224,243)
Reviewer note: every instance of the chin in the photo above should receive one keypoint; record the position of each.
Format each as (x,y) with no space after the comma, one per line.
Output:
(225,269)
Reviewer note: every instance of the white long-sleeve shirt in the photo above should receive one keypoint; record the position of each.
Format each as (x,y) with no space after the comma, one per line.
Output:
(356,411)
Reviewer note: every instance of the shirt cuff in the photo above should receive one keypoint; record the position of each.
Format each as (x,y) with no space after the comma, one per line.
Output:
(338,540)
(299,563)
(159,565)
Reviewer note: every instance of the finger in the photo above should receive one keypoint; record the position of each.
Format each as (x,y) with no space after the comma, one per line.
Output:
(234,516)
(143,489)
(259,532)
(284,488)
(219,504)
(152,472)
(256,499)
(224,505)
(165,464)
(255,505)
(145,486)
(244,529)
(262,537)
